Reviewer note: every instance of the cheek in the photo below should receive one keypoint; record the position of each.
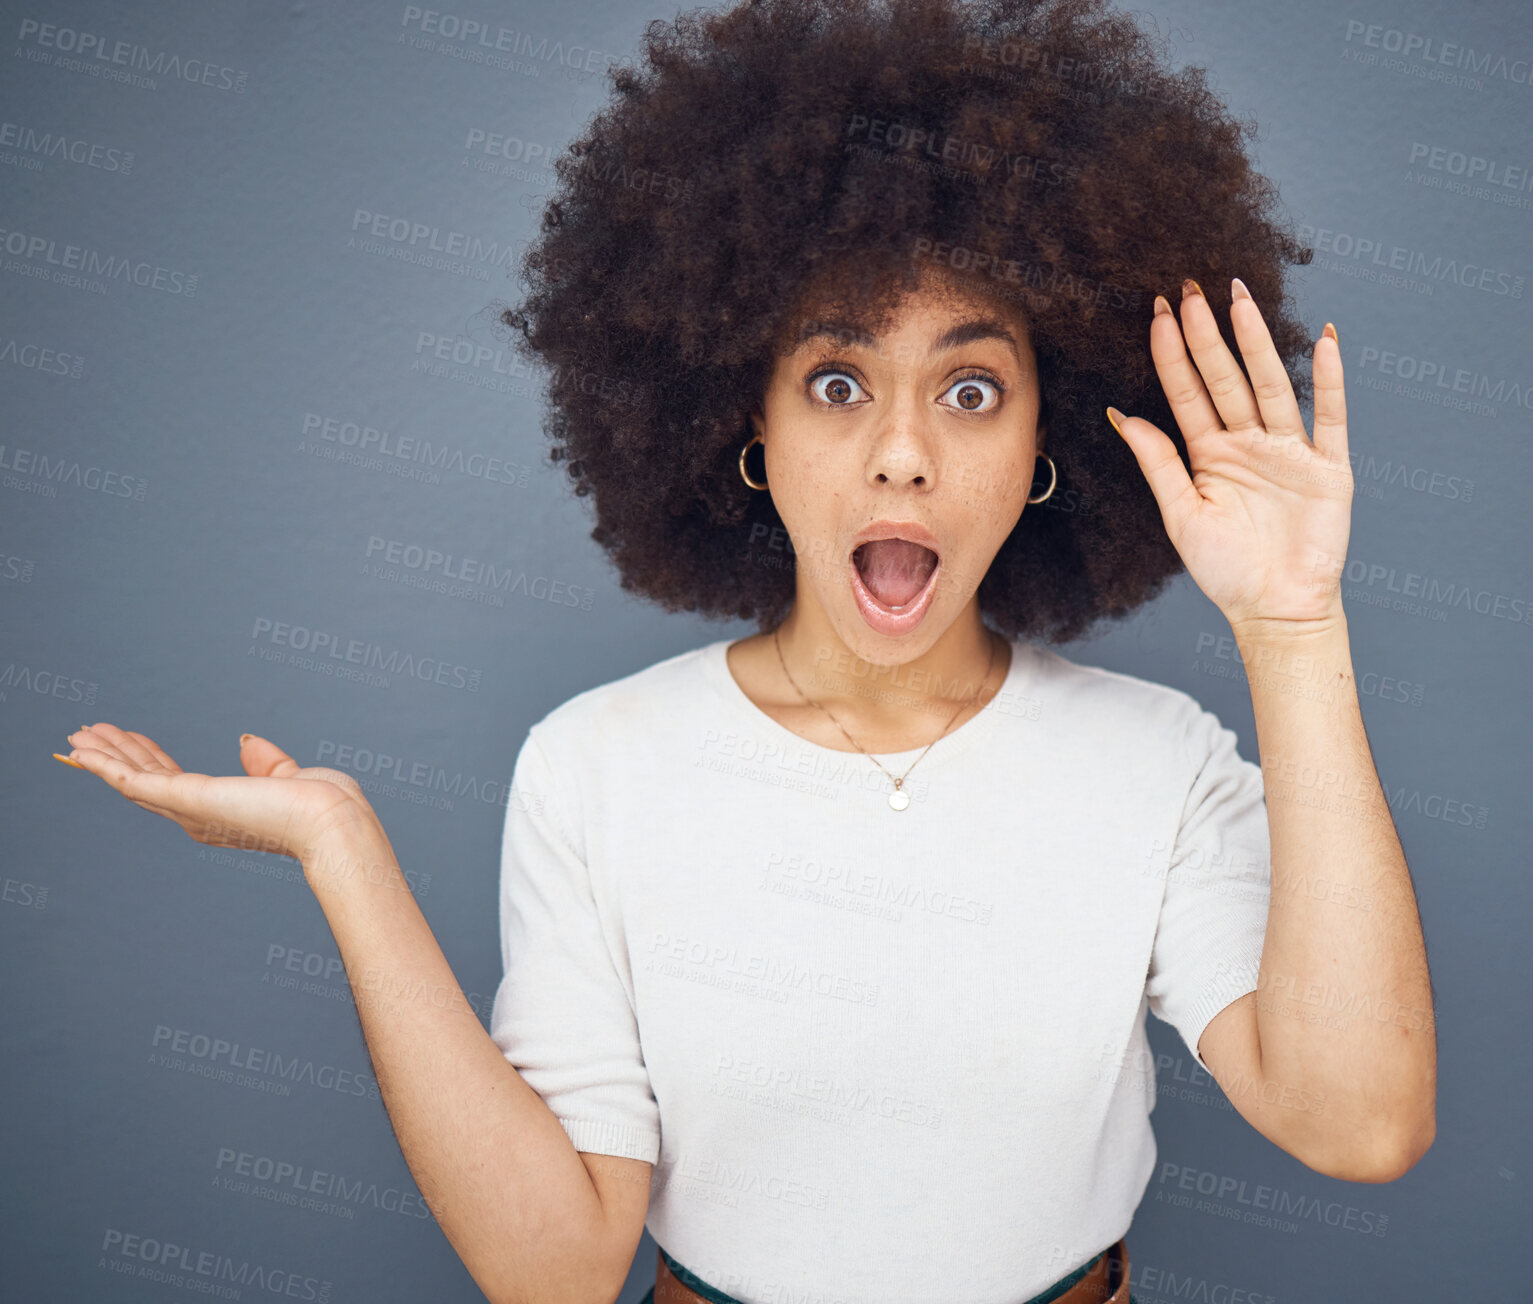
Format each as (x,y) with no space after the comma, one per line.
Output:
(805,479)
(992,491)
(809,493)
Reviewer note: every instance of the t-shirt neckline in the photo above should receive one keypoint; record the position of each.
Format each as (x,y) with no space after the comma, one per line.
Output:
(948,747)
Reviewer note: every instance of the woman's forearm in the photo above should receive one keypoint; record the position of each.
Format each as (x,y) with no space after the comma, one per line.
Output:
(507,1186)
(1361,955)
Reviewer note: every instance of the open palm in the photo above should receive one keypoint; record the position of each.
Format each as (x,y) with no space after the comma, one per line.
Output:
(1262,522)
(275,806)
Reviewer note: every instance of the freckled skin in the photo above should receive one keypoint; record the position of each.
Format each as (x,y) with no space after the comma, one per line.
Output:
(857,430)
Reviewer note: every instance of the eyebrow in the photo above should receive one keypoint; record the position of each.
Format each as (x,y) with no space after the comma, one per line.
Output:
(965,332)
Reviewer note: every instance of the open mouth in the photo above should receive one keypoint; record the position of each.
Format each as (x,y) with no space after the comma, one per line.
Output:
(893,581)
(894,570)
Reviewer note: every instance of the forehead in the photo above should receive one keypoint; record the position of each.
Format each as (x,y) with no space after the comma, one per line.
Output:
(910,338)
(940,314)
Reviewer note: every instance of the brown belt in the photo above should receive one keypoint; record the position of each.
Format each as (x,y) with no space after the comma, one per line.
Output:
(1105,1283)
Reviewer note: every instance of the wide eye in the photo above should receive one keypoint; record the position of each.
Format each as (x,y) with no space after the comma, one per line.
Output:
(971,393)
(838,392)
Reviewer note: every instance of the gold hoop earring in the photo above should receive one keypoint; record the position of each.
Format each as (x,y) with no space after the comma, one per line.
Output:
(744,474)
(1053,480)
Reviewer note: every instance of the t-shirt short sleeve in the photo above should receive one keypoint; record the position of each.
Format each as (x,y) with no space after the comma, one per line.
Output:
(562,1015)
(1213,916)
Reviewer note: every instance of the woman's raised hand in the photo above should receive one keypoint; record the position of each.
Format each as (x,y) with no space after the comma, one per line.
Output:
(275,806)
(1262,522)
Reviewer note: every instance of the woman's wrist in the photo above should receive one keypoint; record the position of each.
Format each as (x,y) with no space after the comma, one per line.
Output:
(350,854)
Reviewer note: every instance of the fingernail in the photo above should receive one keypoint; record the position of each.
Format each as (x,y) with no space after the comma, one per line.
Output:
(1190,286)
(1238,289)
(1161,306)
(1116,418)
(244,738)
(67,761)
(1331,331)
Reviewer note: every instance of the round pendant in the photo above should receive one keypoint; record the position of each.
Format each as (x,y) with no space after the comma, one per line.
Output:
(898,800)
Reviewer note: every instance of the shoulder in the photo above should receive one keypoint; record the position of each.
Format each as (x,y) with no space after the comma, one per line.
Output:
(607,734)
(1112,704)
(634,707)
(1096,687)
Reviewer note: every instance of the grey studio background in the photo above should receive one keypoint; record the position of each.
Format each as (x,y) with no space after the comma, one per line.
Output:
(208,469)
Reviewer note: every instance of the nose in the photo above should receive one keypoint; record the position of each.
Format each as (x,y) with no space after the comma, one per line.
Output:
(902,451)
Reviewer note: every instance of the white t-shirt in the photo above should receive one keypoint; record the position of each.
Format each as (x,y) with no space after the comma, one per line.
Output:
(876,1055)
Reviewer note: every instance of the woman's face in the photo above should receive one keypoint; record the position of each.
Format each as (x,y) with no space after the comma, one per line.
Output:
(929,433)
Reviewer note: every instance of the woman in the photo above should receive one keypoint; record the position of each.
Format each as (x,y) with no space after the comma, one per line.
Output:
(828,950)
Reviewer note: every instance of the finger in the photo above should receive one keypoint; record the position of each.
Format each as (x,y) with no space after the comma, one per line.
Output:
(1194,411)
(1330,398)
(199,803)
(155,749)
(1275,399)
(112,739)
(263,759)
(1221,374)
(1173,488)
(148,788)
(193,808)
(89,737)
(74,759)
(134,750)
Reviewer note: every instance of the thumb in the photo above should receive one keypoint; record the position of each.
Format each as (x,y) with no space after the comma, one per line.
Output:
(263,759)
(1152,448)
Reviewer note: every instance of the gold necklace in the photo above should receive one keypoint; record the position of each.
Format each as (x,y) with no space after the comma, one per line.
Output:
(898,799)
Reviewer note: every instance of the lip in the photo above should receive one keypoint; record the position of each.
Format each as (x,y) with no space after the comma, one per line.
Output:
(912,530)
(890,621)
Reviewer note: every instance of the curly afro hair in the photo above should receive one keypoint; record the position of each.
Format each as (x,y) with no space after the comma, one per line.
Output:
(768,161)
